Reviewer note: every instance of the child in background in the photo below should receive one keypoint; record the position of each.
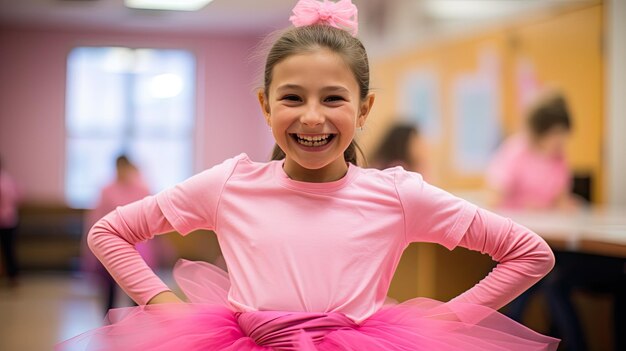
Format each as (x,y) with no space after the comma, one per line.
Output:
(402,146)
(127,187)
(312,240)
(9,202)
(529,171)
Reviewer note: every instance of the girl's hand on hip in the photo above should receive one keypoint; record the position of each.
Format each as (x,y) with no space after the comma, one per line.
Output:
(165,297)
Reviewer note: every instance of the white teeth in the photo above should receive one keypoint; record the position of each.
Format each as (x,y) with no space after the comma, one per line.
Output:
(313,138)
(312,141)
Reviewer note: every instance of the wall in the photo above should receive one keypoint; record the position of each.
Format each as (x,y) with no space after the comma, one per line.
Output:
(563,49)
(32,100)
(615,13)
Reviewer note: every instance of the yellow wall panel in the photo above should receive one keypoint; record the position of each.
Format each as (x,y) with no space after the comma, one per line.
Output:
(564,50)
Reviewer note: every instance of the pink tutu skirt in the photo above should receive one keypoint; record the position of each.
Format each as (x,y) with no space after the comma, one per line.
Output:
(207,323)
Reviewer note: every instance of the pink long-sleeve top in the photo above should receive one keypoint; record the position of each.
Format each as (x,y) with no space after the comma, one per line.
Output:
(318,247)
(526,178)
(119,193)
(9,201)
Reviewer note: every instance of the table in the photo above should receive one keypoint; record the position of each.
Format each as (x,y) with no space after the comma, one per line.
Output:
(590,246)
(594,230)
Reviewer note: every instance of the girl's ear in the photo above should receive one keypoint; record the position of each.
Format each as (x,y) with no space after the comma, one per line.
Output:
(265,107)
(365,108)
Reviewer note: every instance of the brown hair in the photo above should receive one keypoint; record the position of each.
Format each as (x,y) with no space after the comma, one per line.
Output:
(395,147)
(122,161)
(306,39)
(548,112)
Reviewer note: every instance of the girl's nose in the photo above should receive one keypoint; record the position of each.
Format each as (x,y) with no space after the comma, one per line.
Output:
(312,116)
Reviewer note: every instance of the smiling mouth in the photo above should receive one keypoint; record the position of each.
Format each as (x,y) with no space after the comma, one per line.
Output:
(312,140)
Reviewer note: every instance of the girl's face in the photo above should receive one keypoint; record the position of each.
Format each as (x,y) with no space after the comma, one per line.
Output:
(313,108)
(126,172)
(554,142)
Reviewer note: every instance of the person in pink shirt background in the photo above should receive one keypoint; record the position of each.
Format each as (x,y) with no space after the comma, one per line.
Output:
(530,169)
(128,186)
(530,173)
(311,239)
(9,207)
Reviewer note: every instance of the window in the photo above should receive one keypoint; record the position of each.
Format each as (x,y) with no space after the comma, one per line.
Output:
(139,102)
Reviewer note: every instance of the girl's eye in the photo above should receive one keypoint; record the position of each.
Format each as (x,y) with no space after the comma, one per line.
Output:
(291,98)
(334,98)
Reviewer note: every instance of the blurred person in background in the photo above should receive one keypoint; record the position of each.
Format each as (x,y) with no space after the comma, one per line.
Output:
(530,171)
(402,146)
(128,186)
(9,203)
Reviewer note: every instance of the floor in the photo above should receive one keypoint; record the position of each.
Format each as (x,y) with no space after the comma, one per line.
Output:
(45,308)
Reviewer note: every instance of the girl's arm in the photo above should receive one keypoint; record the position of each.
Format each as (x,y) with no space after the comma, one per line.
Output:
(523,259)
(113,239)
(188,206)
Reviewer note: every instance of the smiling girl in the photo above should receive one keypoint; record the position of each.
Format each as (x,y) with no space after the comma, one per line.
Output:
(311,239)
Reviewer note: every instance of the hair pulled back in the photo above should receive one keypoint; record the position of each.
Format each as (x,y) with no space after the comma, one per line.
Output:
(547,113)
(307,39)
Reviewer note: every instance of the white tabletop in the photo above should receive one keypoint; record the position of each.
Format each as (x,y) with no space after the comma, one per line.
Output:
(593,230)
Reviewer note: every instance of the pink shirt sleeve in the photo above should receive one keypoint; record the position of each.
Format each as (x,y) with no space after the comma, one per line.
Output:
(431,214)
(502,170)
(186,207)
(9,200)
(192,204)
(113,238)
(523,259)
(103,206)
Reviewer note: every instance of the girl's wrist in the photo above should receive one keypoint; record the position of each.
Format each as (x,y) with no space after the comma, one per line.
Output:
(164,297)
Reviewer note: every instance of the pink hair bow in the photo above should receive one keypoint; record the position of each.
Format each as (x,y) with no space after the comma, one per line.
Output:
(341,14)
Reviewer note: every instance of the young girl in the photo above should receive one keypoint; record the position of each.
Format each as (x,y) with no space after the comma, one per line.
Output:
(529,171)
(128,186)
(311,240)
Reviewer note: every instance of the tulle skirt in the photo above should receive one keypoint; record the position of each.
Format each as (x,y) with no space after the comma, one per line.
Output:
(207,324)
